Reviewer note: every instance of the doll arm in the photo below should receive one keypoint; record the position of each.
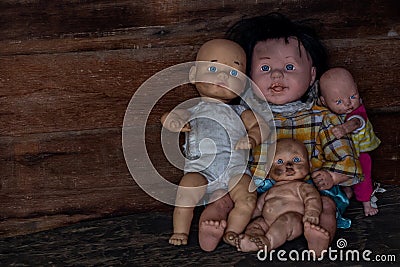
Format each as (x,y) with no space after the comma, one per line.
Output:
(324,179)
(256,128)
(353,124)
(356,122)
(176,120)
(312,203)
(336,156)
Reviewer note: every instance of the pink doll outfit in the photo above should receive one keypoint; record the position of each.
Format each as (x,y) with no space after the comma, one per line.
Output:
(364,140)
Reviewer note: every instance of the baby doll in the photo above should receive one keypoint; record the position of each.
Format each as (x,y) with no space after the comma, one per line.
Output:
(284,60)
(290,208)
(218,166)
(340,94)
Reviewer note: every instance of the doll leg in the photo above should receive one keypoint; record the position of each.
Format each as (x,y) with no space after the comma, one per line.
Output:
(258,227)
(253,238)
(212,222)
(363,190)
(244,204)
(286,227)
(188,195)
(327,221)
(317,238)
(348,190)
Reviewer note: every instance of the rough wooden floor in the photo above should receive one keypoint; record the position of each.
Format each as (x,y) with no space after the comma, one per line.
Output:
(141,240)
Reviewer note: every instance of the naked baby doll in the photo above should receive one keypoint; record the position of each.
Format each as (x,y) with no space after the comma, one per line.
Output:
(340,94)
(233,130)
(288,209)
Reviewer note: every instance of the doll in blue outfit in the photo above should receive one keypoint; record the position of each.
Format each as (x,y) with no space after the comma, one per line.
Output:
(218,139)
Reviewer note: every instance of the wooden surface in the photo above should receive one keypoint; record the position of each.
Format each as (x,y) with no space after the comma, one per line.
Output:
(142,240)
(68,70)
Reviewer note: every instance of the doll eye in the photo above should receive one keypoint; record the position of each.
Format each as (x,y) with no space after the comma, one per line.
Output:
(234,73)
(265,68)
(279,161)
(353,97)
(212,69)
(289,67)
(338,102)
(296,159)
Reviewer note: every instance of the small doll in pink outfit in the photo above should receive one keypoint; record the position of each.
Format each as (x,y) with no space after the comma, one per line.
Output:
(340,94)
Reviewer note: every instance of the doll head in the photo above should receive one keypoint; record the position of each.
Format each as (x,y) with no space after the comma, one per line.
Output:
(290,161)
(219,70)
(284,57)
(282,70)
(339,91)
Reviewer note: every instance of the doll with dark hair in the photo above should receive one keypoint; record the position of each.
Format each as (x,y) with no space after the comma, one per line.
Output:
(248,32)
(285,59)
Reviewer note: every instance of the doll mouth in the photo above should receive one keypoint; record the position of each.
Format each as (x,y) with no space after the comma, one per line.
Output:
(290,171)
(221,84)
(277,87)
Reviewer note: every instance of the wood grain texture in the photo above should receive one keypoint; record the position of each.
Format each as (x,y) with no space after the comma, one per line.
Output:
(91,90)
(142,240)
(47,19)
(68,70)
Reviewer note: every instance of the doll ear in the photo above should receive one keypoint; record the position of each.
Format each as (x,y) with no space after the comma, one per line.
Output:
(322,100)
(313,75)
(192,74)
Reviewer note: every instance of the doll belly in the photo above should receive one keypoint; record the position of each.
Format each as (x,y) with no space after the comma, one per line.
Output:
(276,206)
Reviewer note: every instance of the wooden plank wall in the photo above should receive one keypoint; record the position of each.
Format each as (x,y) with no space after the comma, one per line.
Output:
(68,70)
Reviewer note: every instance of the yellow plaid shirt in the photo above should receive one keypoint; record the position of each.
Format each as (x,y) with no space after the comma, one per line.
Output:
(313,128)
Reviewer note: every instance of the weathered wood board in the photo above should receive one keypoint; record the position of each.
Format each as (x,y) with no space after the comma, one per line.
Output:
(68,70)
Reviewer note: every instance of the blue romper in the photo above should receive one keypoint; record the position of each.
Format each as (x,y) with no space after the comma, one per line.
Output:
(210,145)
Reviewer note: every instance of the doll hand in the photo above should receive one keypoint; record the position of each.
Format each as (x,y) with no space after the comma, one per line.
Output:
(323,180)
(176,125)
(311,216)
(339,131)
(245,143)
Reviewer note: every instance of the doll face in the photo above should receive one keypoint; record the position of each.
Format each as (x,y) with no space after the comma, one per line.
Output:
(290,161)
(221,70)
(339,91)
(282,71)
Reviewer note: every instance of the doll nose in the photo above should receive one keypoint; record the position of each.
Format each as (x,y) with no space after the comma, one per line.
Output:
(222,75)
(276,74)
(347,103)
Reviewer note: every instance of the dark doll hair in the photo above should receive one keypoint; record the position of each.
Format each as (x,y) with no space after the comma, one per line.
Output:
(248,32)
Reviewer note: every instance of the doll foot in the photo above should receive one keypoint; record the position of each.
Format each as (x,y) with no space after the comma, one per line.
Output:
(231,238)
(178,239)
(317,238)
(369,210)
(210,234)
(248,243)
